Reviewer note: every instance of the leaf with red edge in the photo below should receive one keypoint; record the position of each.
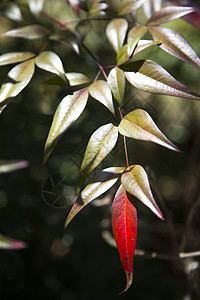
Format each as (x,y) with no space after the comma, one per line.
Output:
(135,181)
(124,225)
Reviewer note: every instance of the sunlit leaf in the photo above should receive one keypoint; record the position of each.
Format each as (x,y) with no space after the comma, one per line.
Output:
(14,57)
(18,78)
(116,81)
(128,6)
(11,244)
(12,165)
(96,8)
(13,12)
(30,32)
(144,44)
(100,90)
(175,44)
(102,183)
(66,114)
(134,35)
(124,225)
(76,78)
(136,183)
(152,78)
(116,32)
(35,6)
(122,55)
(99,146)
(169,13)
(150,6)
(50,62)
(139,125)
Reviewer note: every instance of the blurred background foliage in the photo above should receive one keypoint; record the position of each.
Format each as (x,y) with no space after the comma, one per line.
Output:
(79,263)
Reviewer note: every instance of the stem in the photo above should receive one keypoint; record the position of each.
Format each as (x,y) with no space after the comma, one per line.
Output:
(125,146)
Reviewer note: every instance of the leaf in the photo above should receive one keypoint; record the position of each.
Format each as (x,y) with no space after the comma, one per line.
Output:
(144,44)
(99,146)
(102,183)
(134,35)
(124,225)
(14,57)
(96,8)
(116,32)
(76,78)
(82,29)
(152,78)
(36,6)
(175,44)
(30,32)
(139,125)
(136,183)
(100,90)
(18,78)
(122,55)
(132,65)
(68,111)
(12,165)
(128,6)
(150,6)
(50,62)
(14,13)
(169,13)
(10,244)
(116,81)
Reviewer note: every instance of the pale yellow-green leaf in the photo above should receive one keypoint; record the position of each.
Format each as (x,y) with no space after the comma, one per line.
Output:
(116,81)
(116,32)
(76,78)
(12,165)
(14,57)
(134,35)
(128,6)
(50,62)
(30,32)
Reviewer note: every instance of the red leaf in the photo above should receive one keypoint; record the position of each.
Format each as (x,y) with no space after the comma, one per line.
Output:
(124,224)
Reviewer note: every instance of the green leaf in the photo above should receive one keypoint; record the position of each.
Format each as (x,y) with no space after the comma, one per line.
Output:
(102,183)
(144,44)
(128,6)
(96,8)
(67,38)
(82,29)
(56,81)
(134,35)
(116,81)
(14,13)
(116,32)
(50,62)
(100,90)
(76,78)
(18,78)
(139,125)
(136,183)
(12,165)
(175,44)
(30,32)
(152,78)
(101,143)
(66,114)
(169,13)
(14,57)
(132,65)
(122,55)
(11,244)
(35,6)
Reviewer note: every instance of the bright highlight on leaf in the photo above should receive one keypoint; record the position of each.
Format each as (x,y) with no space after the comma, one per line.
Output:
(136,183)
(10,244)
(76,78)
(134,35)
(102,183)
(14,57)
(12,165)
(101,143)
(116,81)
(66,114)
(139,125)
(124,225)
(154,79)
(128,6)
(100,90)
(30,32)
(116,32)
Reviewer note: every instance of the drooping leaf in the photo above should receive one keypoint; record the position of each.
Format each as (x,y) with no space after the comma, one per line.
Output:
(100,90)
(12,165)
(10,244)
(150,6)
(134,35)
(124,225)
(67,38)
(116,81)
(128,6)
(169,13)
(30,32)
(136,183)
(82,29)
(50,62)
(139,125)
(99,146)
(14,57)
(116,32)
(36,6)
(76,78)
(18,78)
(102,183)
(175,44)
(152,78)
(13,12)
(68,111)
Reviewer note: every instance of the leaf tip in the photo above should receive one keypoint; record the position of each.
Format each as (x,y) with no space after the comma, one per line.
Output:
(129,277)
